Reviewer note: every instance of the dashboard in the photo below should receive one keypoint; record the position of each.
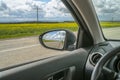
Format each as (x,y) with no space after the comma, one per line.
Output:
(97,53)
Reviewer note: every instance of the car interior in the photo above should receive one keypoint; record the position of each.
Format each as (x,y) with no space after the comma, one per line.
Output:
(91,57)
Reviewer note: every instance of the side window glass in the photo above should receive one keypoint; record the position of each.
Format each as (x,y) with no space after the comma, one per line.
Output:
(21,23)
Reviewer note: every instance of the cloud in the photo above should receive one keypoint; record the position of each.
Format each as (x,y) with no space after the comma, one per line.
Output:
(48,9)
(23,8)
(107,6)
(55,8)
(34,5)
(107,9)
(3,6)
(4,9)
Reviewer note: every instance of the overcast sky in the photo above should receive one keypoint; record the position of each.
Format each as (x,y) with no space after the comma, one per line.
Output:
(52,10)
(108,9)
(26,10)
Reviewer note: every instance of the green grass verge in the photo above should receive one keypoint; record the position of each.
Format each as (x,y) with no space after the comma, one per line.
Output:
(30,29)
(110,24)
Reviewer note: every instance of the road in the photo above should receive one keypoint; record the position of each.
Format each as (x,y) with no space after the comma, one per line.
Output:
(112,33)
(17,51)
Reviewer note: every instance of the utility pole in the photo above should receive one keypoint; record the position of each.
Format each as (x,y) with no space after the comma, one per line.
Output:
(37,13)
(112,19)
(37,9)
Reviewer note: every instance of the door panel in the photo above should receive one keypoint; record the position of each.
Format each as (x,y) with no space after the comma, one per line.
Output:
(65,74)
(69,64)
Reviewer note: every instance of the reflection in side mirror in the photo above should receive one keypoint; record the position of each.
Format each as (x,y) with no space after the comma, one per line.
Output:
(54,39)
(58,39)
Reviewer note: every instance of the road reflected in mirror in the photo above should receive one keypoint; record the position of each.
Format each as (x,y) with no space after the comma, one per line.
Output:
(54,39)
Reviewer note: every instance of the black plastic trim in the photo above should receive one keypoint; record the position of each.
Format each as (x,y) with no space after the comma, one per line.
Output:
(82,25)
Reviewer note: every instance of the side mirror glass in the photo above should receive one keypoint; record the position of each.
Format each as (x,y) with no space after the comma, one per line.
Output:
(57,39)
(54,39)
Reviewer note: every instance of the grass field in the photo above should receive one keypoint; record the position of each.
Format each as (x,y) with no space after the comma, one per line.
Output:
(30,29)
(110,24)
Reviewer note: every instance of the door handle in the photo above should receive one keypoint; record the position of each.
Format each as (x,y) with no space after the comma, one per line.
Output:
(70,73)
(64,75)
(50,78)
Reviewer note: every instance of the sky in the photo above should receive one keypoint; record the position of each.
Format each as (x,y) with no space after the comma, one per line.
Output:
(26,10)
(52,10)
(55,35)
(107,10)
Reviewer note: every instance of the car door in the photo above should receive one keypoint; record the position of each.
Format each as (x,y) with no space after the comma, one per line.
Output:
(65,67)
(68,66)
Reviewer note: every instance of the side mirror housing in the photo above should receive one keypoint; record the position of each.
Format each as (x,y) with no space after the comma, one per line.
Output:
(58,39)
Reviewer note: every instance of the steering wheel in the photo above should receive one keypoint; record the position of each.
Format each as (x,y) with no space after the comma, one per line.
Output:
(100,66)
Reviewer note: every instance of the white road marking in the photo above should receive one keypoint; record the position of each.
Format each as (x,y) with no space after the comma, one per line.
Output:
(13,49)
(21,39)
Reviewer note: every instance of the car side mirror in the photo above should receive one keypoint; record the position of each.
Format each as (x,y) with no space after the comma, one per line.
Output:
(58,40)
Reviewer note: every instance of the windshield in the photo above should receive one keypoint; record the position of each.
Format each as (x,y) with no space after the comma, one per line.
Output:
(108,12)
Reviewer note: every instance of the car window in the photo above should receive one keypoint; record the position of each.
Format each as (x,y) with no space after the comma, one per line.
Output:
(21,23)
(108,12)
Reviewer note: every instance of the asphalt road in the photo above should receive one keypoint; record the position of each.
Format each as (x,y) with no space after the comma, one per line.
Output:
(17,51)
(112,33)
